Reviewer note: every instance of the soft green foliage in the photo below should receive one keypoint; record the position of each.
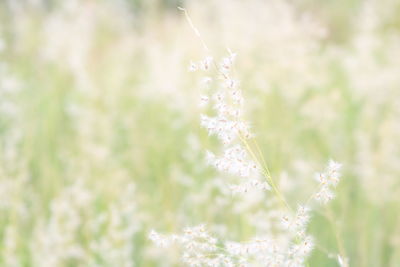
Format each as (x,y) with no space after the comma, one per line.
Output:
(100,138)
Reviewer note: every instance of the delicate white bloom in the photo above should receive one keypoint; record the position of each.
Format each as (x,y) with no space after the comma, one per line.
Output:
(300,251)
(226,130)
(235,162)
(286,246)
(333,172)
(230,83)
(286,221)
(199,246)
(237,97)
(297,223)
(256,246)
(252,184)
(302,217)
(206,63)
(160,240)
(193,67)
(227,62)
(328,179)
(324,195)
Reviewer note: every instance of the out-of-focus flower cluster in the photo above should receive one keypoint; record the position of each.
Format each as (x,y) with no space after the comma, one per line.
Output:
(100,139)
(291,245)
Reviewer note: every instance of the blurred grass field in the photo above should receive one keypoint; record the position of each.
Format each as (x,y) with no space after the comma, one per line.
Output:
(99,124)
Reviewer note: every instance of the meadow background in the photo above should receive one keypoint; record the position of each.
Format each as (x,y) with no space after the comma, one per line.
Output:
(99,124)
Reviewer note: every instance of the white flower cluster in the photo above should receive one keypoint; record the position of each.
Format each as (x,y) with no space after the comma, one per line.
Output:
(286,249)
(298,222)
(200,247)
(227,130)
(259,245)
(269,252)
(109,233)
(284,242)
(228,126)
(246,186)
(234,161)
(328,180)
(291,245)
(299,252)
(204,64)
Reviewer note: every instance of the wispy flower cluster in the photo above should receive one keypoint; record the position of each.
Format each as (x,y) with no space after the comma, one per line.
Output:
(201,249)
(328,180)
(272,252)
(288,244)
(109,233)
(226,122)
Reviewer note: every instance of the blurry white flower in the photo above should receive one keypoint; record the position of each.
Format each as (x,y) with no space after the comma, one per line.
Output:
(328,179)
(206,63)
(192,67)
(206,81)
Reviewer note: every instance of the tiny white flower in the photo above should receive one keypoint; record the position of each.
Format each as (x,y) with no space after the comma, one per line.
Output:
(231,83)
(192,67)
(206,63)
